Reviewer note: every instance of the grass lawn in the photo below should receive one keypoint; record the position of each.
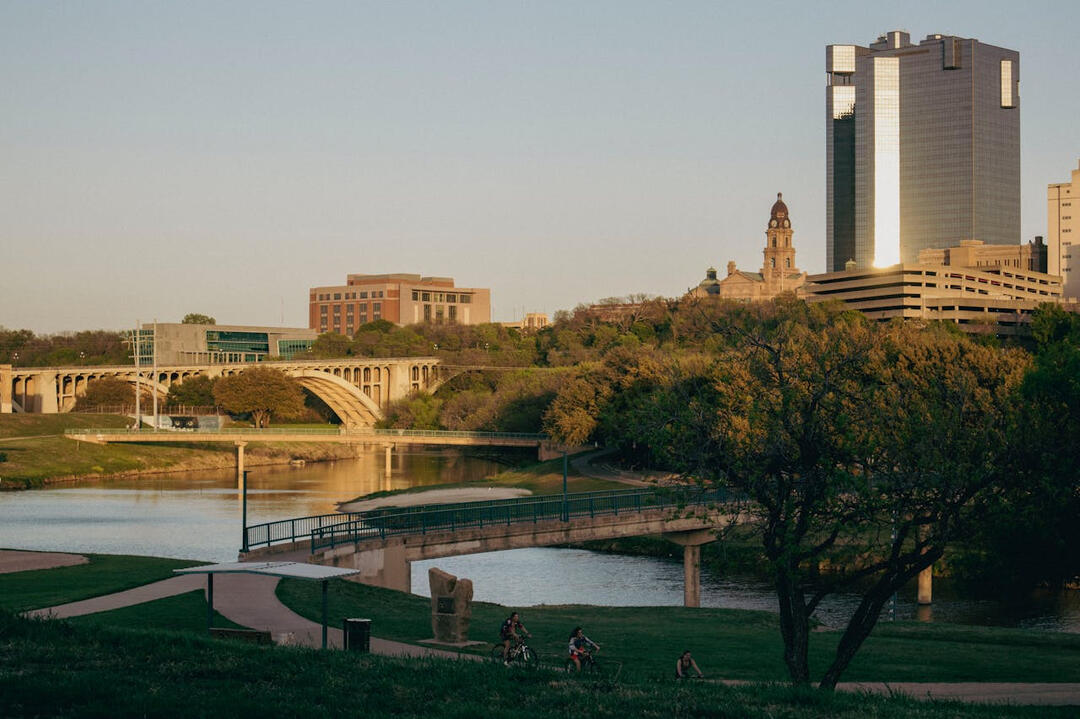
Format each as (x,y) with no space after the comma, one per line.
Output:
(729,643)
(63,669)
(540,478)
(104,574)
(36,425)
(180,613)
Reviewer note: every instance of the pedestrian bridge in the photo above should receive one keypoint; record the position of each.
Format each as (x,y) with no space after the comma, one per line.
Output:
(382,543)
(357,389)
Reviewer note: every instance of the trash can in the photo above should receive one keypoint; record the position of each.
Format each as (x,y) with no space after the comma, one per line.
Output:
(358,635)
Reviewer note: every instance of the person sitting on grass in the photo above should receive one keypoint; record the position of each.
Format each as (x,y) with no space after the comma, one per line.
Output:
(684,664)
(579,647)
(511,631)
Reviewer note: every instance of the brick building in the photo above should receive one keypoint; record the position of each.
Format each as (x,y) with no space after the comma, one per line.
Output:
(403,299)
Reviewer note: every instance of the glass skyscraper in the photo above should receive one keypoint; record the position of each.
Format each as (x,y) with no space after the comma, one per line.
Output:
(922,147)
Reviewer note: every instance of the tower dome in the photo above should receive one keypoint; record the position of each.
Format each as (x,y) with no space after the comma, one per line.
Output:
(779,209)
(778,216)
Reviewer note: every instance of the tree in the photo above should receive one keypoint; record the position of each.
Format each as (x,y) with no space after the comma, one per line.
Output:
(417,411)
(106,392)
(860,447)
(197,391)
(194,318)
(262,392)
(331,345)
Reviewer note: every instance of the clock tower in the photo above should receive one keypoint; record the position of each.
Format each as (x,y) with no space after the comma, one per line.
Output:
(779,254)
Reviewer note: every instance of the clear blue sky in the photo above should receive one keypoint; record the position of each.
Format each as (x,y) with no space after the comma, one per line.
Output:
(162,158)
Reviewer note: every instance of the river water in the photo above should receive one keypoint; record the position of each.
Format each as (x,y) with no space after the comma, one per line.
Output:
(197,515)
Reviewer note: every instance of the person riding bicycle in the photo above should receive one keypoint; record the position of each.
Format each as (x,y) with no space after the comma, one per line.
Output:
(580,647)
(511,631)
(684,664)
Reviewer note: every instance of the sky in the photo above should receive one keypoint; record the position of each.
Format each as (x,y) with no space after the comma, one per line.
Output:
(162,158)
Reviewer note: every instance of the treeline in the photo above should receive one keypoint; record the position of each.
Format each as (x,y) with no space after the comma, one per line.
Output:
(91,347)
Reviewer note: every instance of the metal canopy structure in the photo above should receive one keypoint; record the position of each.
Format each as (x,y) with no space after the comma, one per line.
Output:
(290,570)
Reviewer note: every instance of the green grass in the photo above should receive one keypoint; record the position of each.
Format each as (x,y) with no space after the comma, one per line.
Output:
(34,425)
(37,451)
(179,613)
(61,669)
(734,644)
(104,574)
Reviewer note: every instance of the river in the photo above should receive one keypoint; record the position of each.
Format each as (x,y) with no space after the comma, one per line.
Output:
(196,515)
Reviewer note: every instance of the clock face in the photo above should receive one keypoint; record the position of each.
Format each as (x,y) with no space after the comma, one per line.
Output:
(787,223)
(772,223)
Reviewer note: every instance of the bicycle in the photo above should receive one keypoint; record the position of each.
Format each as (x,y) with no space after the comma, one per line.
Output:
(519,653)
(589,665)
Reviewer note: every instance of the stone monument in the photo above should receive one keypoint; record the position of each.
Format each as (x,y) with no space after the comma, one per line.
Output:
(451,607)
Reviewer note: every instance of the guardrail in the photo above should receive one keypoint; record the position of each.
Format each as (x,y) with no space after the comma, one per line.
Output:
(289,530)
(316,431)
(452,517)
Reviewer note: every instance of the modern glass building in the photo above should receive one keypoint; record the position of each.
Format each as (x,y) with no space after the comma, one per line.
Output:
(922,147)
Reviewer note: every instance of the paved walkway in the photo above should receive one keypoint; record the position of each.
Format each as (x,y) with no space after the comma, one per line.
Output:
(251,601)
(583,463)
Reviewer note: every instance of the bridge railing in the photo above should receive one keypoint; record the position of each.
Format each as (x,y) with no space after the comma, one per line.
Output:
(382,523)
(318,431)
(290,530)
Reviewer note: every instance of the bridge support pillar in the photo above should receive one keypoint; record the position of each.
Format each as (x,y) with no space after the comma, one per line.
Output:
(926,585)
(691,543)
(389,460)
(5,388)
(240,464)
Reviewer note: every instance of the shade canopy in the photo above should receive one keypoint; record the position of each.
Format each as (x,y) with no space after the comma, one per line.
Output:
(292,570)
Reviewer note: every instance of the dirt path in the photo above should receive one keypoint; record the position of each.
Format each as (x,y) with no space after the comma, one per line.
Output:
(587,465)
(17,560)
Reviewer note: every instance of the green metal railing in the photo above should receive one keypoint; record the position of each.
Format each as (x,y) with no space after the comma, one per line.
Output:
(318,431)
(291,530)
(383,523)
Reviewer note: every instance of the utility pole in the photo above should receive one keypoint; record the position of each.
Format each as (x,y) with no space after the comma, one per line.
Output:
(138,384)
(153,384)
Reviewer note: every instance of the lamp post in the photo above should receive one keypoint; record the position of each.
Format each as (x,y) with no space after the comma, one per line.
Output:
(243,511)
(565,508)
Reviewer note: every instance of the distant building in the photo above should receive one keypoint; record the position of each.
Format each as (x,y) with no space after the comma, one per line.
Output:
(1063,232)
(531,322)
(922,148)
(974,253)
(399,298)
(778,272)
(997,298)
(179,344)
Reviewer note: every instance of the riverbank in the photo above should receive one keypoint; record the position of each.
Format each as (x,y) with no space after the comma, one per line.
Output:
(39,455)
(157,650)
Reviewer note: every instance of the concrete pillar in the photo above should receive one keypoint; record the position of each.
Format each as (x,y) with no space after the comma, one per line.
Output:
(691,542)
(692,575)
(389,460)
(45,384)
(6,382)
(240,464)
(926,585)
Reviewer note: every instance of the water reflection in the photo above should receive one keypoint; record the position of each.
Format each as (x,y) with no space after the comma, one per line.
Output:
(197,514)
(530,577)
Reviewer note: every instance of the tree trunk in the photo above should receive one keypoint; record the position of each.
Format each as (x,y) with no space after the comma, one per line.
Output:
(794,627)
(860,625)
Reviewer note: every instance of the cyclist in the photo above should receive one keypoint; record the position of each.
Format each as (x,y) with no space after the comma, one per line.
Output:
(580,647)
(684,664)
(511,631)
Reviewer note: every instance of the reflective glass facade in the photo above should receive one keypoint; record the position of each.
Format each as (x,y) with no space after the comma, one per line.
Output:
(928,152)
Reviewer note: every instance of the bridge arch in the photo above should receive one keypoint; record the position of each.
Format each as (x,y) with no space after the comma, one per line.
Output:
(352,406)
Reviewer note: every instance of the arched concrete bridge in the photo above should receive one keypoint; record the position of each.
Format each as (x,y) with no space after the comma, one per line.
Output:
(358,390)
(382,544)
